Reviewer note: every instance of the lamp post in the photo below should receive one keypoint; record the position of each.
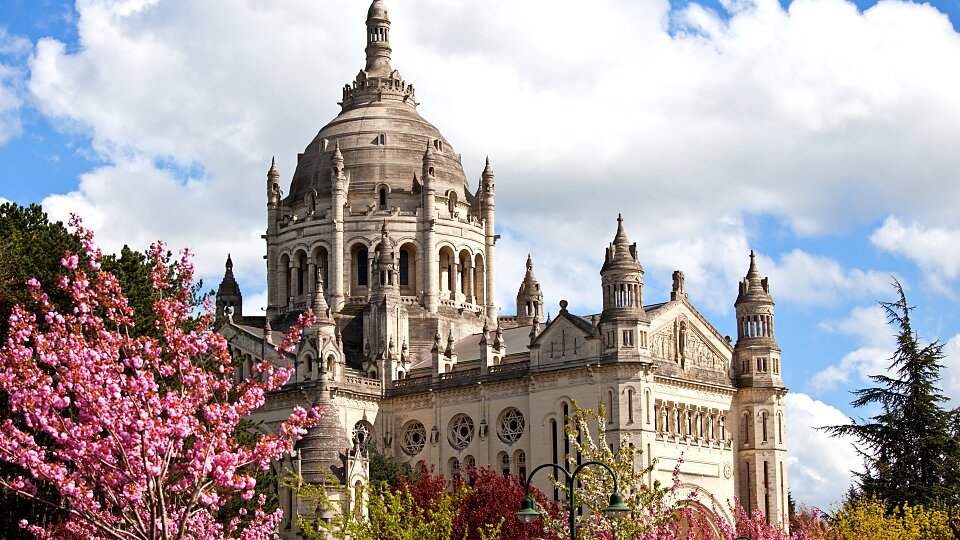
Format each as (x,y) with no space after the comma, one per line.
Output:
(616,508)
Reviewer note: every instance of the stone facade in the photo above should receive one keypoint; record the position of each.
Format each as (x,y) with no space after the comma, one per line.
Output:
(381,235)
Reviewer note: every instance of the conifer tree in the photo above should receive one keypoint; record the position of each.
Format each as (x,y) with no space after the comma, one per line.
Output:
(910,445)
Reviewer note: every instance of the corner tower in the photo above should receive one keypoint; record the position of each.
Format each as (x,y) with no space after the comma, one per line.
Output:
(622,279)
(759,403)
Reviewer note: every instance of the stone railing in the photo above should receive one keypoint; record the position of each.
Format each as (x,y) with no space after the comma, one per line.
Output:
(414,383)
(363,384)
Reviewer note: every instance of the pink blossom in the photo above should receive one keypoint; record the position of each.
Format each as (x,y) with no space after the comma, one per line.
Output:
(146,418)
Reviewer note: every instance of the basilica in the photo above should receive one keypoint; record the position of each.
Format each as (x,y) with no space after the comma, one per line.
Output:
(380,233)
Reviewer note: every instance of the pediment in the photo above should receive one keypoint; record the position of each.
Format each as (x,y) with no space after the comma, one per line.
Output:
(679,334)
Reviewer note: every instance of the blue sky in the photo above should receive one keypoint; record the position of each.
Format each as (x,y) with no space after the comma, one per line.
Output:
(822,134)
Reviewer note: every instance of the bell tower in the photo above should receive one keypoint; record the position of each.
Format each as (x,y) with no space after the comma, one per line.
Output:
(759,403)
(622,279)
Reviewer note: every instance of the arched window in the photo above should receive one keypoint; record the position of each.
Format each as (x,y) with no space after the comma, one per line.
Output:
(609,406)
(454,467)
(780,427)
(745,428)
(630,405)
(404,268)
(763,418)
(646,404)
(504,462)
(383,198)
(520,457)
(361,266)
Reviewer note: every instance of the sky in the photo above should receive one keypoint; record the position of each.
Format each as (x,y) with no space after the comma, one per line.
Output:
(823,134)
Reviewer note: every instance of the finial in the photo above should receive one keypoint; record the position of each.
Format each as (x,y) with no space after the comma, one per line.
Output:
(428,153)
(273,172)
(383,229)
(529,262)
(337,155)
(229,263)
(268,332)
(487,169)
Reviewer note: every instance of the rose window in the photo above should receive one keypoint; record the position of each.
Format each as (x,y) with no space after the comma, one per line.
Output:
(413,437)
(461,431)
(510,425)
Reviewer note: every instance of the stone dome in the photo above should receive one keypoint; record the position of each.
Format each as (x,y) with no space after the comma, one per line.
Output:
(381,143)
(381,135)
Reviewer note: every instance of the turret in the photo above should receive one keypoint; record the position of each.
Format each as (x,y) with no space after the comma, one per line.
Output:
(759,406)
(622,280)
(529,298)
(428,221)
(487,204)
(378,41)
(274,299)
(756,352)
(339,184)
(273,185)
(229,299)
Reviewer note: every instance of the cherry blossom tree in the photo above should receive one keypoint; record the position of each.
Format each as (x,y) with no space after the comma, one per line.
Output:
(134,432)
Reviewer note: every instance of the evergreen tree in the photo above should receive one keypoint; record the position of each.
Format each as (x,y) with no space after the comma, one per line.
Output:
(910,446)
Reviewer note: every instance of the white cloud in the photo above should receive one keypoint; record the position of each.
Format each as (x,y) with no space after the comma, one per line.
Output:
(810,279)
(819,467)
(3,200)
(868,325)
(683,121)
(11,46)
(950,376)
(933,249)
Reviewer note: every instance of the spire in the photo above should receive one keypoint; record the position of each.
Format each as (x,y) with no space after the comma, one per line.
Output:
(449,351)
(498,342)
(320,308)
(487,169)
(268,332)
(337,157)
(621,253)
(229,300)
(754,287)
(273,183)
(378,41)
(529,298)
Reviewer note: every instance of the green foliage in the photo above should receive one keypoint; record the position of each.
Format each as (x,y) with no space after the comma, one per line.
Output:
(911,447)
(31,246)
(652,505)
(386,469)
(393,514)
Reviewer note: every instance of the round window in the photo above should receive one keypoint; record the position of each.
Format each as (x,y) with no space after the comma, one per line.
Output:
(510,425)
(413,437)
(461,431)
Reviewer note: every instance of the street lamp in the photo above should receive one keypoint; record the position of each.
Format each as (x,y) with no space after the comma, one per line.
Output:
(616,508)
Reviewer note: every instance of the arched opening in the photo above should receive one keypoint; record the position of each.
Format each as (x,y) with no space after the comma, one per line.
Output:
(308,367)
(300,270)
(479,281)
(331,367)
(630,405)
(408,269)
(448,273)
(503,459)
(382,198)
(520,458)
(745,428)
(283,269)
(453,467)
(319,259)
(360,271)
(464,275)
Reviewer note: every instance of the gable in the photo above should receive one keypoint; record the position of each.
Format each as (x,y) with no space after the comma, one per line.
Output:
(679,335)
(564,341)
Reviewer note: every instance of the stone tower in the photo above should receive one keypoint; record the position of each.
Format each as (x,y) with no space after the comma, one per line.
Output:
(762,449)
(229,299)
(529,298)
(621,277)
